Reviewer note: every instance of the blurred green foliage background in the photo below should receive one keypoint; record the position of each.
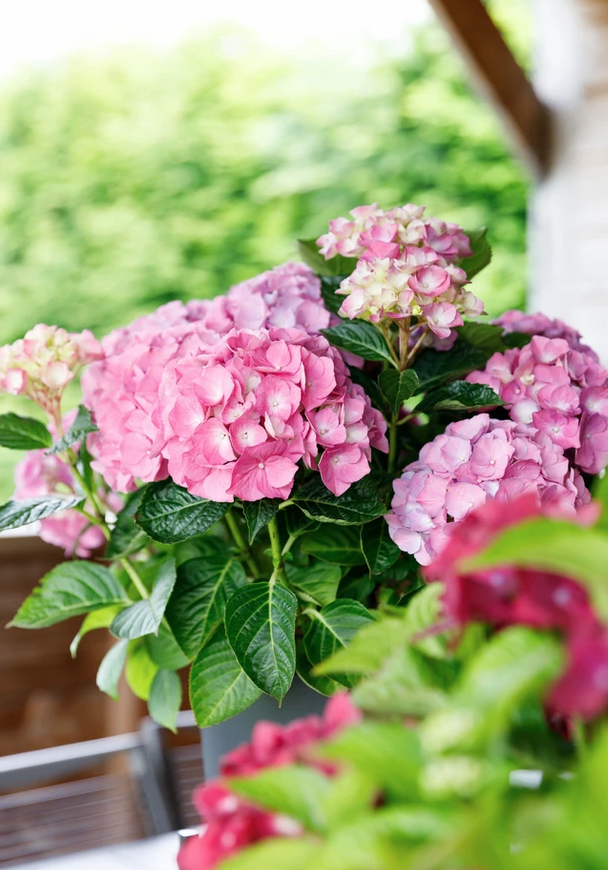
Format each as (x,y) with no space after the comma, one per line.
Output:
(130,180)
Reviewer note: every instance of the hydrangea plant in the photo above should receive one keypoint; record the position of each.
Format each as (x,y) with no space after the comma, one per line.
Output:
(251,480)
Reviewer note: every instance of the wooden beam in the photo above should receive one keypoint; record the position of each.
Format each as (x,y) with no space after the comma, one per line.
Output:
(500,77)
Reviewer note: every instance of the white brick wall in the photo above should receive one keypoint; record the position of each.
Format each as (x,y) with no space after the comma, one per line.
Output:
(568,226)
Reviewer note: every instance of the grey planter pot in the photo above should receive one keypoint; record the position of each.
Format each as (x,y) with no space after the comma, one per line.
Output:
(217,740)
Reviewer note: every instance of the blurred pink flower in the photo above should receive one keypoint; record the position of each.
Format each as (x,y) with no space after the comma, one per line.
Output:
(232,824)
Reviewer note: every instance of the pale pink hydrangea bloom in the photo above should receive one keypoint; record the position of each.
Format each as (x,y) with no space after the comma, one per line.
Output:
(42,474)
(474,460)
(288,296)
(408,267)
(42,363)
(235,419)
(121,390)
(549,387)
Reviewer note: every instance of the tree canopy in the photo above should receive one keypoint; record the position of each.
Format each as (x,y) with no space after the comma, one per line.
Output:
(129,180)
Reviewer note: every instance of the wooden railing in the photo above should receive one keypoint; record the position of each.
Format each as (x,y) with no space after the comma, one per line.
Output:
(46,697)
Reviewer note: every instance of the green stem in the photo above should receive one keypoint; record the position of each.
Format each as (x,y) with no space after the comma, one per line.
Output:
(241,543)
(135,578)
(392,444)
(387,337)
(290,542)
(100,521)
(580,738)
(91,494)
(404,338)
(277,557)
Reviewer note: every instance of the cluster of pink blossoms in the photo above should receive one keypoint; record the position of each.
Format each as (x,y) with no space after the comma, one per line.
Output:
(540,324)
(122,389)
(408,267)
(473,461)
(549,388)
(509,595)
(235,419)
(43,362)
(42,474)
(232,824)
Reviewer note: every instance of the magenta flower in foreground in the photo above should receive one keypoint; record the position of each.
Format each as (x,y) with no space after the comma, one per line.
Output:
(231,824)
(509,595)
(582,691)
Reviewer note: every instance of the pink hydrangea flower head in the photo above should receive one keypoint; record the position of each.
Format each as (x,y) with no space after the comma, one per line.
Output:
(121,390)
(549,388)
(288,296)
(43,362)
(407,267)
(473,461)
(235,418)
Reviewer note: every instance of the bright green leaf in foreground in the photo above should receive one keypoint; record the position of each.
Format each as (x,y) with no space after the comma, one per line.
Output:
(296,792)
(553,545)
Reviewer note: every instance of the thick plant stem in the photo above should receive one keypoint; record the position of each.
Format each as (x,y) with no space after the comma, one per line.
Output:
(392,445)
(277,556)
(135,579)
(241,543)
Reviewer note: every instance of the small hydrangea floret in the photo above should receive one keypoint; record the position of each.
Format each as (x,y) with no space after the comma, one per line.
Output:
(43,363)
